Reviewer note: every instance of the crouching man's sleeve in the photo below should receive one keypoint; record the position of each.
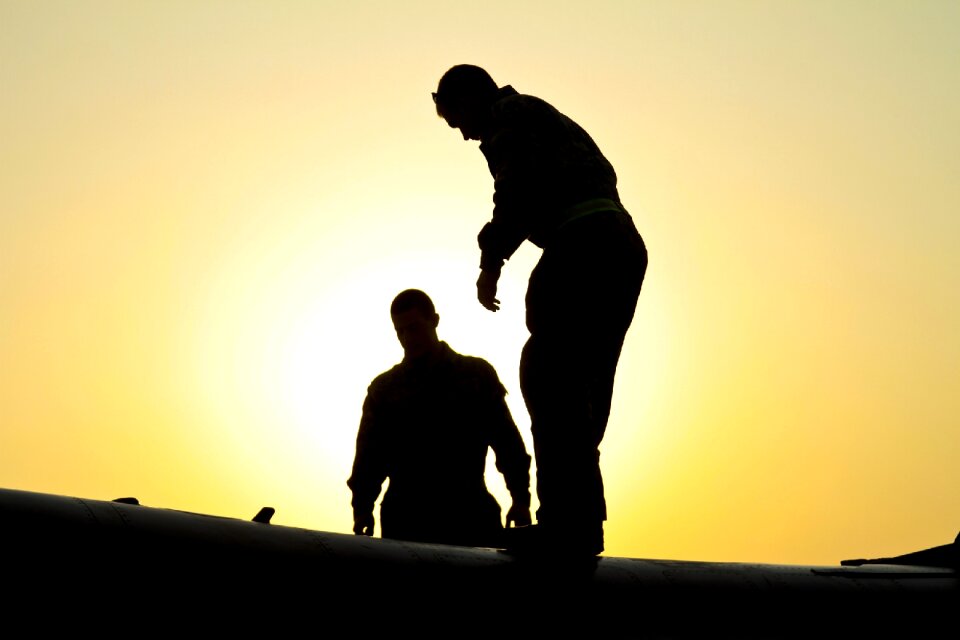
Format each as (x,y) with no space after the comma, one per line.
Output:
(512,458)
(369,463)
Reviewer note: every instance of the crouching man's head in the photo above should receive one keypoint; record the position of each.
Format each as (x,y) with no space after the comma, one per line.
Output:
(415,321)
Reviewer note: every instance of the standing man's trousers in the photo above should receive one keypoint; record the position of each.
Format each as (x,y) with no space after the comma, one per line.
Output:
(580,302)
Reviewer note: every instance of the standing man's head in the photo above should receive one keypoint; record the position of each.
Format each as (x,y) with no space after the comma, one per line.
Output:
(464,97)
(415,321)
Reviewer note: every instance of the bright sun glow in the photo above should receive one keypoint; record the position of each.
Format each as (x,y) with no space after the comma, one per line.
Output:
(288,344)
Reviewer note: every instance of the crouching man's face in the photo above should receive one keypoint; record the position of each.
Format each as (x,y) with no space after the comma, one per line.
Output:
(417,332)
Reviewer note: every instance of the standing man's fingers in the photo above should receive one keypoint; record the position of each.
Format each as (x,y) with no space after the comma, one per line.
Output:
(487,290)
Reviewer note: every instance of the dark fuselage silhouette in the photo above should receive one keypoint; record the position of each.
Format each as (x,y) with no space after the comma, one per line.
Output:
(117,567)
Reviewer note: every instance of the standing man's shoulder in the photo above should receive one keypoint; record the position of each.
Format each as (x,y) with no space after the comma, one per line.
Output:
(512,107)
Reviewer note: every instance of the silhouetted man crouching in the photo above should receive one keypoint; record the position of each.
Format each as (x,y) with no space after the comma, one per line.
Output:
(426,425)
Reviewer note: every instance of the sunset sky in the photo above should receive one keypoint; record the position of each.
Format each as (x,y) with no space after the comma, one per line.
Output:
(207,207)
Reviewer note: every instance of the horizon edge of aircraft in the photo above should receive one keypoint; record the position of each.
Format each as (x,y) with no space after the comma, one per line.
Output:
(77,553)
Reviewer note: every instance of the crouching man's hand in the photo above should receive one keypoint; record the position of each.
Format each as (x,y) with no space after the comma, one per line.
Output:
(363,524)
(518,515)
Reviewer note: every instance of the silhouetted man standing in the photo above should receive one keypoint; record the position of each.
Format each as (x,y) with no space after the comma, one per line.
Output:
(427,424)
(553,187)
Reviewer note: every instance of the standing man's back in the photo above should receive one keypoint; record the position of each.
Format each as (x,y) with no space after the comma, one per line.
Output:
(427,424)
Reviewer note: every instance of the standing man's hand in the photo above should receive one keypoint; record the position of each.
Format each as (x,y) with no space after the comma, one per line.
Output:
(363,524)
(487,289)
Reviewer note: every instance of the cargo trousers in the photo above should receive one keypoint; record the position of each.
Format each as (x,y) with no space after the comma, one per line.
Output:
(580,301)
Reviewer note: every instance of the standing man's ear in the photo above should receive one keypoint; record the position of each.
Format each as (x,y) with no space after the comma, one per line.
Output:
(436,320)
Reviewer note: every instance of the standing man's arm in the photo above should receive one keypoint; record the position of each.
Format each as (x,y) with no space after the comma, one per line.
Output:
(369,468)
(510,156)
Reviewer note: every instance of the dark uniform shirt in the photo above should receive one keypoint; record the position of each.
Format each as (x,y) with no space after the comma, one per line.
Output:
(427,426)
(544,165)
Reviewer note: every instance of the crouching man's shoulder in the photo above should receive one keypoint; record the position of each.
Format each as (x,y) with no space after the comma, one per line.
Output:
(478,370)
(386,382)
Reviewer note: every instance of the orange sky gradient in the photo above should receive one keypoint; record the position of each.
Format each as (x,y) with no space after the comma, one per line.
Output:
(206,209)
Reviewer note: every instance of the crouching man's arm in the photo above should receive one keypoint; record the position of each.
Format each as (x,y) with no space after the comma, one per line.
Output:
(513,461)
(369,469)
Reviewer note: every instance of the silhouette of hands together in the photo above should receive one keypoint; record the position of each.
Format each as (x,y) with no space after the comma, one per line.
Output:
(363,524)
(518,515)
(487,289)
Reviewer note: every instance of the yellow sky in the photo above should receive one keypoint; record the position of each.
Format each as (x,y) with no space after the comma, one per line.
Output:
(206,208)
